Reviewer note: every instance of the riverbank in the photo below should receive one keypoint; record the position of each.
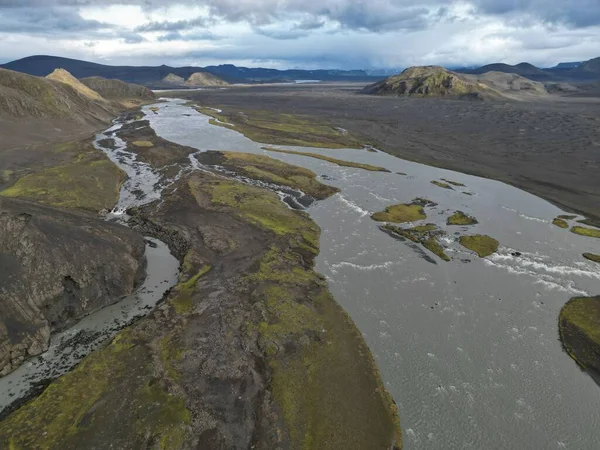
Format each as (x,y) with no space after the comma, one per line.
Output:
(276,355)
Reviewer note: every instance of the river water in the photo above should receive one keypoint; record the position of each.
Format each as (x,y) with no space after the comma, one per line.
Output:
(469,349)
(69,347)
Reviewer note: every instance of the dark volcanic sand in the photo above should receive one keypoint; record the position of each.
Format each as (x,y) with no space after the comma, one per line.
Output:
(549,147)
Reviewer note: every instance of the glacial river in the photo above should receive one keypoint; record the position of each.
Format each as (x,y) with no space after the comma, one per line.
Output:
(469,349)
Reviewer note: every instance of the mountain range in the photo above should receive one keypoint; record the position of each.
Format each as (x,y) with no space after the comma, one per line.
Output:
(154,76)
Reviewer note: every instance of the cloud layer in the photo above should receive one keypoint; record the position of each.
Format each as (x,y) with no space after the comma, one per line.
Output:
(303,33)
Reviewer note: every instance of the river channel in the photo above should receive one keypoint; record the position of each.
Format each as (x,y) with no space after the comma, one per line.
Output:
(469,348)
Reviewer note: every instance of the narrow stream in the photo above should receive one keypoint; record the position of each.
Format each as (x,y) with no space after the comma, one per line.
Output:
(469,349)
(69,347)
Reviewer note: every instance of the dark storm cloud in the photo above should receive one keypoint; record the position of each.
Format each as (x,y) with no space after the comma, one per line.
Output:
(46,21)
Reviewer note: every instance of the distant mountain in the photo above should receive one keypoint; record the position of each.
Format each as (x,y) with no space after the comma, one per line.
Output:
(435,81)
(567,65)
(152,76)
(523,69)
(205,79)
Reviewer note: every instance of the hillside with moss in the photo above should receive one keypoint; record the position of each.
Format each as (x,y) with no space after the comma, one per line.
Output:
(435,81)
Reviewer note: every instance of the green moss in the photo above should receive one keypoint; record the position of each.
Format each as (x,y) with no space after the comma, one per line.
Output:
(182,302)
(90,182)
(271,170)
(339,162)
(584,313)
(579,326)
(170,354)
(434,246)
(583,231)
(282,129)
(460,218)
(592,257)
(567,217)
(481,244)
(560,223)
(145,144)
(441,184)
(402,213)
(262,208)
(590,222)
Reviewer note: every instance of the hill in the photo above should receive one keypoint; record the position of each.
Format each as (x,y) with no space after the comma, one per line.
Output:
(62,76)
(435,81)
(523,69)
(152,76)
(117,89)
(200,79)
(174,79)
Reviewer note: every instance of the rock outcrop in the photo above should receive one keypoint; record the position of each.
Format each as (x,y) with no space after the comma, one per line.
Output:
(62,76)
(174,79)
(56,268)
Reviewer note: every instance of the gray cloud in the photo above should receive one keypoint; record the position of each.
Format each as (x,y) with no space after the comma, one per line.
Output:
(178,25)
(280,34)
(46,21)
(200,36)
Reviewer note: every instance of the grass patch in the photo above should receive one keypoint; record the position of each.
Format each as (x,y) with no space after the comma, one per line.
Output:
(146,144)
(402,213)
(579,327)
(454,183)
(481,244)
(436,248)
(90,182)
(590,222)
(561,223)
(268,127)
(426,235)
(592,257)
(182,302)
(583,231)
(460,218)
(339,162)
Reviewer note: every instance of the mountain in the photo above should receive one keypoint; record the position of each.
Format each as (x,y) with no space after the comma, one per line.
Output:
(593,65)
(174,79)
(435,81)
(126,94)
(523,69)
(567,65)
(152,76)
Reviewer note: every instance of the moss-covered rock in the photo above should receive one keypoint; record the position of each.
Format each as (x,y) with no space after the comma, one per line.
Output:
(402,213)
(592,257)
(583,231)
(481,244)
(460,218)
(270,170)
(561,223)
(579,327)
(441,184)
(426,235)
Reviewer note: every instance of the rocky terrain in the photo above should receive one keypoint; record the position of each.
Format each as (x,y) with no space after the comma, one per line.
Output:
(435,81)
(195,80)
(56,268)
(248,351)
(116,90)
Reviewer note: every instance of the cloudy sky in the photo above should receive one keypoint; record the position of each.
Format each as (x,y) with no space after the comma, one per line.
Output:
(303,33)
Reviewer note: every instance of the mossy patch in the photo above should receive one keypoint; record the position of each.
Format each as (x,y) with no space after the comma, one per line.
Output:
(567,217)
(460,218)
(145,144)
(592,257)
(433,245)
(269,127)
(338,162)
(402,213)
(426,235)
(561,223)
(111,391)
(182,301)
(579,328)
(588,232)
(481,244)
(260,167)
(590,222)
(442,184)
(90,182)
(454,183)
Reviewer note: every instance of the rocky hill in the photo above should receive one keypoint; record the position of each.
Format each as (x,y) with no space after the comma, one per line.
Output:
(56,268)
(174,79)
(202,79)
(429,81)
(435,81)
(62,76)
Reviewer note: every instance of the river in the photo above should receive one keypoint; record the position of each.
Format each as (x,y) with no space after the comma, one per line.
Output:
(469,349)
